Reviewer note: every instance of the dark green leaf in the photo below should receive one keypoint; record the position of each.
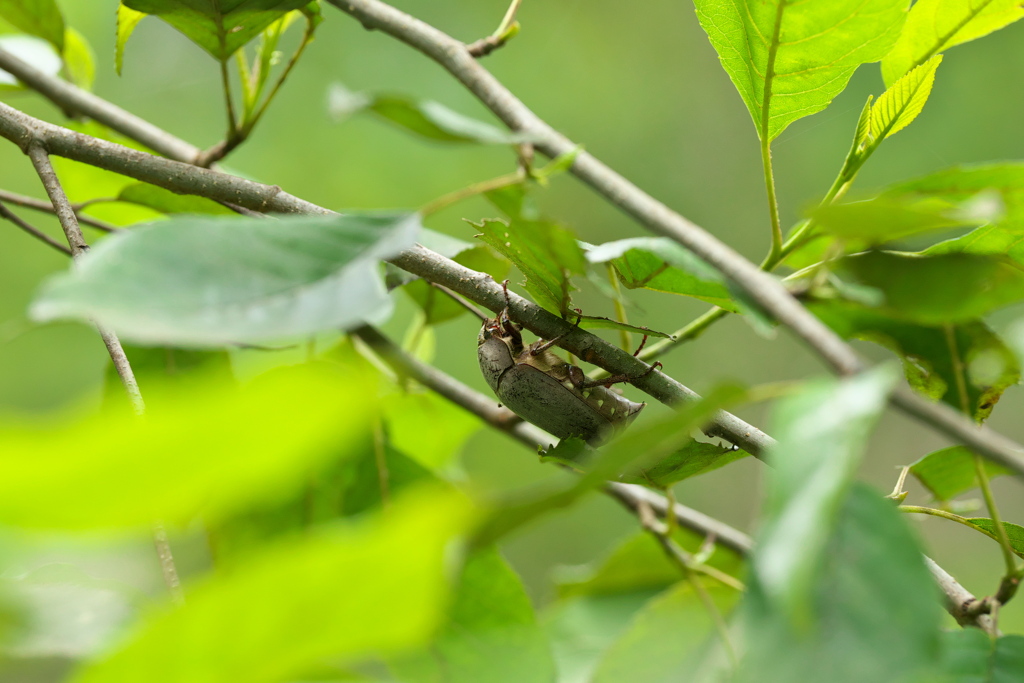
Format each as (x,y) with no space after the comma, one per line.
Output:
(220,27)
(165,201)
(1014,532)
(822,432)
(870,559)
(948,472)
(934,26)
(693,459)
(425,118)
(971,656)
(41,18)
(942,288)
(375,477)
(195,281)
(284,603)
(932,355)
(127,20)
(491,633)
(660,264)
(666,639)
(546,253)
(210,450)
(789,59)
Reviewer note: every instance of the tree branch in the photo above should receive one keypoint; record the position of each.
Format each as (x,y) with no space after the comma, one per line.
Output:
(961,603)
(31,229)
(47,207)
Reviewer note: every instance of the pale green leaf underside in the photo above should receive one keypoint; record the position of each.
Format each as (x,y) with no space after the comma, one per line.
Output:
(936,25)
(789,59)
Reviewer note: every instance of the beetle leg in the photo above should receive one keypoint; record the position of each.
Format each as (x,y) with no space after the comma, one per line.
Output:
(537,350)
(581,382)
(643,342)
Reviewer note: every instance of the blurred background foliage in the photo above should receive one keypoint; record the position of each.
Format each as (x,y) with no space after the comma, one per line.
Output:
(644,91)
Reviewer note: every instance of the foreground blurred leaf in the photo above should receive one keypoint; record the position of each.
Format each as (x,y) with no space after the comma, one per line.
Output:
(194,281)
(948,472)
(425,118)
(961,183)
(822,432)
(220,27)
(873,611)
(205,451)
(429,428)
(666,639)
(789,59)
(933,356)
(940,288)
(34,51)
(546,253)
(344,592)
(881,220)
(662,265)
(971,656)
(491,633)
(40,18)
(934,26)
(1014,532)
(693,459)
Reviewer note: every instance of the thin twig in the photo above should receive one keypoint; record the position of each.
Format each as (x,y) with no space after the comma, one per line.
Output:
(506,30)
(47,207)
(32,230)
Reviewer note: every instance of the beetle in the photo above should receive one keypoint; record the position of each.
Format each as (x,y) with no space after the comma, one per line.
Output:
(553,394)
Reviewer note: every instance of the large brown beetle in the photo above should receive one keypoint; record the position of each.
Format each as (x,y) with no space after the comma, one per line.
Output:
(541,388)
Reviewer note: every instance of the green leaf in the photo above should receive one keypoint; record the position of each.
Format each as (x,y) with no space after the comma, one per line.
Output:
(934,26)
(948,472)
(196,281)
(594,322)
(693,459)
(662,265)
(639,564)
(877,221)
(971,656)
(870,558)
(789,59)
(165,201)
(491,633)
(79,59)
(429,428)
(40,18)
(127,20)
(822,432)
(1014,532)
(430,120)
(220,27)
(365,487)
(927,353)
(210,449)
(900,104)
(33,51)
(438,306)
(285,603)
(941,288)
(546,253)
(962,184)
(666,639)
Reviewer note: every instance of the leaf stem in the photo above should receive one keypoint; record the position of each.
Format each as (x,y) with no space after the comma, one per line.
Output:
(620,307)
(307,37)
(444,201)
(225,80)
(775,254)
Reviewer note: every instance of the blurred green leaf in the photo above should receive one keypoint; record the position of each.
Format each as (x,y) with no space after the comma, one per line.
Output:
(1014,532)
(127,20)
(660,264)
(79,59)
(431,429)
(789,59)
(546,253)
(639,564)
(491,633)
(940,288)
(666,639)
(430,120)
(971,656)
(948,472)
(40,18)
(998,189)
(693,459)
(205,449)
(165,201)
(366,487)
(873,608)
(821,432)
(196,281)
(33,51)
(881,220)
(438,306)
(345,592)
(927,353)
(934,26)
(220,27)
